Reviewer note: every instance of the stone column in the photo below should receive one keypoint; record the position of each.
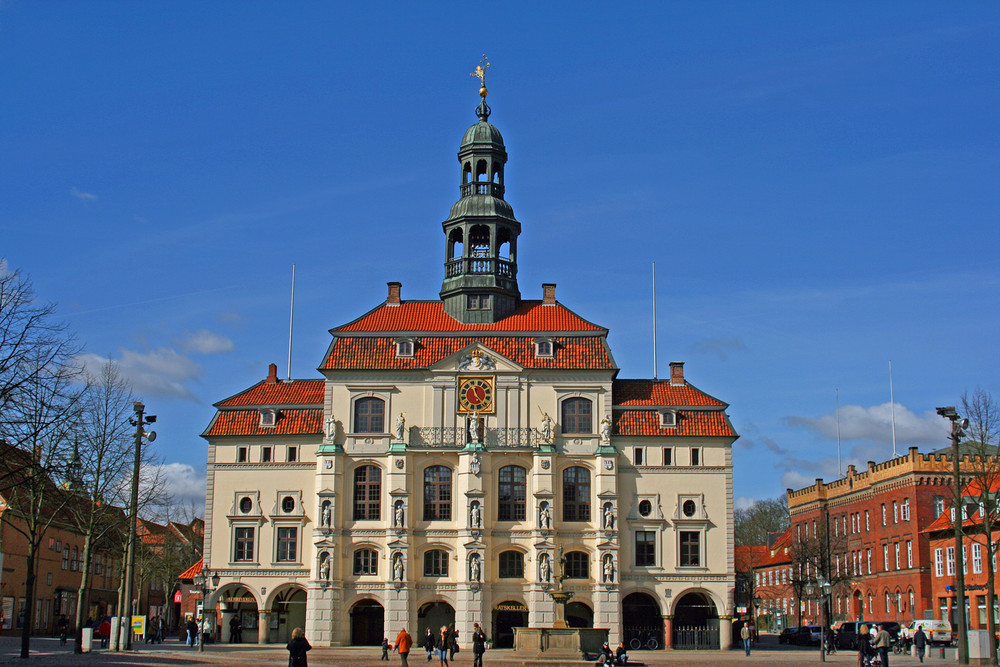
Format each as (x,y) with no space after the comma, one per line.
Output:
(725,632)
(263,626)
(668,631)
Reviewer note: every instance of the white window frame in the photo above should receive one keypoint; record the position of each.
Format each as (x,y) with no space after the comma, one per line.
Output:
(909,553)
(939,562)
(977,558)
(950,561)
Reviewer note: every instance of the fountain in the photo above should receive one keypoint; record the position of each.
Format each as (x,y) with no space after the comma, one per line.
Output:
(559,641)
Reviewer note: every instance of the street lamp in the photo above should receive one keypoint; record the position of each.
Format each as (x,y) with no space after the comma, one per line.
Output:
(201,581)
(958,426)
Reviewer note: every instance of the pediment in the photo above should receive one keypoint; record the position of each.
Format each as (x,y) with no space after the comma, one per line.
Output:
(395,493)
(545,544)
(607,495)
(397,544)
(475,493)
(543,493)
(491,361)
(326,493)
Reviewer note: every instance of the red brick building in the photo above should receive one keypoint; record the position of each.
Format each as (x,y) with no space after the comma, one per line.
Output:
(772,584)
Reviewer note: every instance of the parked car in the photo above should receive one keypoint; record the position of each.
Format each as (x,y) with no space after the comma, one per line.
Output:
(846,633)
(787,635)
(938,632)
(808,635)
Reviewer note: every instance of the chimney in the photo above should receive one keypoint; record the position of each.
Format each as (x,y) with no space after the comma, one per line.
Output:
(676,372)
(272,374)
(548,294)
(393,298)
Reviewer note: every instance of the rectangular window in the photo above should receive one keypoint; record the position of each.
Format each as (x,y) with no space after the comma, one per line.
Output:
(938,506)
(885,557)
(977,558)
(65,559)
(436,563)
(645,548)
(637,456)
(243,549)
(365,561)
(667,456)
(241,455)
(906,509)
(854,523)
(265,454)
(981,607)
(909,553)
(950,551)
(478,302)
(867,522)
(869,555)
(939,562)
(690,542)
(293,454)
(695,456)
(895,512)
(883,514)
(287,544)
(896,549)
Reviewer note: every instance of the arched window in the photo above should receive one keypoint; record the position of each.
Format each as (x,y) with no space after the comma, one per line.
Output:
(577,565)
(435,563)
(511,493)
(481,171)
(437,493)
(511,565)
(576,494)
(466,172)
(365,561)
(367,493)
(576,415)
(369,415)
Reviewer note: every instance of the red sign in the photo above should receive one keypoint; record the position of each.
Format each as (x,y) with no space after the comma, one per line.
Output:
(177,596)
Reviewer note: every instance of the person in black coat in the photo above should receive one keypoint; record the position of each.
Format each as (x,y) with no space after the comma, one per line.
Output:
(429,644)
(478,645)
(452,641)
(297,649)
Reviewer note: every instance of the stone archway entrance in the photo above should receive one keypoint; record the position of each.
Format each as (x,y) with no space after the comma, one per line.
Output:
(507,616)
(579,615)
(642,622)
(238,602)
(367,623)
(433,615)
(696,622)
(857,606)
(289,609)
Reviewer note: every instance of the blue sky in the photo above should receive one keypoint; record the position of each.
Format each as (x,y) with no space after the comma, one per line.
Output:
(816,182)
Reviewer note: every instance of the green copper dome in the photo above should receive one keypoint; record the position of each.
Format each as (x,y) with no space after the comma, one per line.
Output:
(482,133)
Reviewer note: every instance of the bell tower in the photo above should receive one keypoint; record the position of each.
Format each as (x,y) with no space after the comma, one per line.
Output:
(480,268)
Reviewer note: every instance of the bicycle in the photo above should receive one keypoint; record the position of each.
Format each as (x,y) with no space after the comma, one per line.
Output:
(651,642)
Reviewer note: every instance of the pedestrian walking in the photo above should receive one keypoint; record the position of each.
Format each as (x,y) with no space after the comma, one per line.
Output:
(883,642)
(429,644)
(404,642)
(297,649)
(158,626)
(104,631)
(746,635)
(385,649)
(920,642)
(478,645)
(442,646)
(452,641)
(192,632)
(63,628)
(235,630)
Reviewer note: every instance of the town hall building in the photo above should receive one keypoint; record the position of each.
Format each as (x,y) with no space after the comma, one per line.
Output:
(457,459)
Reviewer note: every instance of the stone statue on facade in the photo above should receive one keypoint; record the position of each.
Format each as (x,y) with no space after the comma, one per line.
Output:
(544,517)
(475,465)
(397,567)
(545,432)
(400,427)
(474,422)
(326,515)
(331,429)
(476,361)
(398,515)
(474,568)
(609,517)
(475,516)
(324,568)
(609,568)
(606,431)
(544,569)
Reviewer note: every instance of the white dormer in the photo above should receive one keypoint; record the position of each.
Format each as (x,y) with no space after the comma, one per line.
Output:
(405,347)
(544,348)
(668,418)
(268,417)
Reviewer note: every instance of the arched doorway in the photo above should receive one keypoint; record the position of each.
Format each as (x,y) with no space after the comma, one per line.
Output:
(367,623)
(579,615)
(237,602)
(857,606)
(696,622)
(433,615)
(507,616)
(642,622)
(289,608)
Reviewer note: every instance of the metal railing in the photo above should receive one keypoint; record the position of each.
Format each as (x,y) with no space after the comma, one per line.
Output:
(480,188)
(480,266)
(696,638)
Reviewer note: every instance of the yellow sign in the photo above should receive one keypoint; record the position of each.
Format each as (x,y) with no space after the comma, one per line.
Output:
(139,625)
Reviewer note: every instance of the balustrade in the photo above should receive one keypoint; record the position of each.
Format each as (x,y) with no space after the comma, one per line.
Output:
(454,437)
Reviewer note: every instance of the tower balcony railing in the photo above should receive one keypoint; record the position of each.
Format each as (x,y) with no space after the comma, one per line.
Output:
(456,437)
(462,266)
(482,188)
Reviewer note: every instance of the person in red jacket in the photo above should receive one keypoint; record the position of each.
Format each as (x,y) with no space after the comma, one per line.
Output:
(404,642)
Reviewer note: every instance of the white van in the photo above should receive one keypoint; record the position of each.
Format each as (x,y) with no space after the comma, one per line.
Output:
(938,632)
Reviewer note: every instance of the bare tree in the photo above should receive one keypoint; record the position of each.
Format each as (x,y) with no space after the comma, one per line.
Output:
(752,525)
(811,556)
(983,443)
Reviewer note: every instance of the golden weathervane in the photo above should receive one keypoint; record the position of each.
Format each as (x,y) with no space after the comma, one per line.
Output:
(481,73)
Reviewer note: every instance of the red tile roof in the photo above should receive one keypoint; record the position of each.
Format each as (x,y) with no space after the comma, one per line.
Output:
(192,571)
(290,421)
(748,557)
(296,392)
(583,352)
(659,393)
(689,423)
(427,316)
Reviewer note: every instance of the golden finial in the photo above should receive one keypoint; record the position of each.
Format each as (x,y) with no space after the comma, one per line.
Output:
(481,73)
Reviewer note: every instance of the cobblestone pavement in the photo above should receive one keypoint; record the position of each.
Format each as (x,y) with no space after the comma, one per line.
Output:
(48,652)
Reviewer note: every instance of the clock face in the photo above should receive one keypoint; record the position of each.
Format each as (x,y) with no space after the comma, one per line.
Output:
(475,394)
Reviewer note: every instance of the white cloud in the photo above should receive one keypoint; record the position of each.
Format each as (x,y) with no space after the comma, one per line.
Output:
(796,480)
(184,485)
(204,341)
(874,424)
(160,372)
(743,502)
(82,196)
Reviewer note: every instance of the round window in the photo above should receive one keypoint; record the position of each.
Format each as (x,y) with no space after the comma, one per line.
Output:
(246,505)
(689,508)
(287,504)
(645,507)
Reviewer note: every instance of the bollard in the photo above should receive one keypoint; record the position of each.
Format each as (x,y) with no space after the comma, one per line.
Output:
(113,637)
(88,639)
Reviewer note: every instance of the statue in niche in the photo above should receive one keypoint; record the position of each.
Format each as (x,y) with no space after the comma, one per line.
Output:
(398,514)
(397,567)
(474,422)
(544,517)
(606,431)
(545,432)
(331,429)
(609,517)
(544,569)
(474,568)
(400,427)
(324,567)
(326,515)
(609,568)
(475,516)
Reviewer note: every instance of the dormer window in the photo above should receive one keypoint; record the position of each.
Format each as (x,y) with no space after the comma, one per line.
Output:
(404,347)
(668,419)
(544,347)
(268,417)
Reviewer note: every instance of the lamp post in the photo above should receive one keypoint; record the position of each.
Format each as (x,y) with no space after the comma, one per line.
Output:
(139,421)
(201,581)
(958,426)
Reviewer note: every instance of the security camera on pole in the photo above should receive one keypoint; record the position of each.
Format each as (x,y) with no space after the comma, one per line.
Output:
(958,426)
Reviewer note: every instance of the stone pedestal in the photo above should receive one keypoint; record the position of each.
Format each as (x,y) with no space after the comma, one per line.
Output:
(556,643)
